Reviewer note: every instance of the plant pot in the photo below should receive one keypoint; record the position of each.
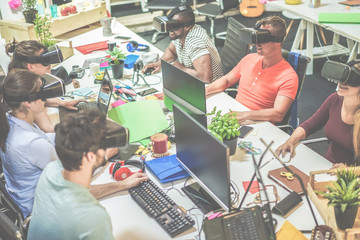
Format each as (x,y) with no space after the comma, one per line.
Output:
(30,15)
(345,219)
(117,69)
(231,144)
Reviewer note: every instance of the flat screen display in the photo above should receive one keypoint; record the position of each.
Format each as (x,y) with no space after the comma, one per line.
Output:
(203,156)
(185,90)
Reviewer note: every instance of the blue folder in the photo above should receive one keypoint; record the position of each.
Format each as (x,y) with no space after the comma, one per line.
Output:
(166,168)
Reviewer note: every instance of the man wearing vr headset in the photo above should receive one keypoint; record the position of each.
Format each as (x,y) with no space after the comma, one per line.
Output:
(64,207)
(25,148)
(32,55)
(336,115)
(267,84)
(191,48)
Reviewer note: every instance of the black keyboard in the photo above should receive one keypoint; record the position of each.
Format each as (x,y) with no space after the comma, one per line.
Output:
(244,225)
(159,206)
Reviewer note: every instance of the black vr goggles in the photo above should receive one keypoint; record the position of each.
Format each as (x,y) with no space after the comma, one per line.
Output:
(347,74)
(257,35)
(115,135)
(51,87)
(164,24)
(51,55)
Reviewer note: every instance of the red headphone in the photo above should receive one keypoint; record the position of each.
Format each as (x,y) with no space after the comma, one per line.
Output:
(120,173)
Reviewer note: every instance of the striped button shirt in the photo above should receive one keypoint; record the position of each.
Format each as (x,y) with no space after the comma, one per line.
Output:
(197,44)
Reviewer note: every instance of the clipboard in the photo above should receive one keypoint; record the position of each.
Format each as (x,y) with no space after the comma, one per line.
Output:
(166,168)
(351,3)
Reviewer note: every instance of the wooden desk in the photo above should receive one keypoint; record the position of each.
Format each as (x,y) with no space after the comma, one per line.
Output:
(129,221)
(309,17)
(20,30)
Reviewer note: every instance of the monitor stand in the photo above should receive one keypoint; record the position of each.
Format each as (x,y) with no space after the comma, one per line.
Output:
(201,198)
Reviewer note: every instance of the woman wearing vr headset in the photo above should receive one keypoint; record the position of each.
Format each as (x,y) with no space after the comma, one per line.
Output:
(336,115)
(24,148)
(33,56)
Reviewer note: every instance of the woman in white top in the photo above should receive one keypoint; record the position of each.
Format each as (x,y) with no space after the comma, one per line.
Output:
(25,149)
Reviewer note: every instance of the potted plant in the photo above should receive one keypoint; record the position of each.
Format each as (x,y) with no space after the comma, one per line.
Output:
(344,196)
(116,61)
(29,10)
(225,128)
(42,31)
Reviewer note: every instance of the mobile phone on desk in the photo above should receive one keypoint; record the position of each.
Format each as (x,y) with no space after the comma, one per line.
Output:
(147,92)
(123,37)
(245,130)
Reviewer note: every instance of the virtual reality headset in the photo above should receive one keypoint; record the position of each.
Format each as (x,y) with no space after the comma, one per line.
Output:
(51,55)
(347,74)
(51,87)
(257,35)
(115,135)
(164,24)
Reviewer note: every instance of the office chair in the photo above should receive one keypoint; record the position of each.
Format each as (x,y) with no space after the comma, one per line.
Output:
(234,49)
(164,6)
(290,120)
(213,10)
(8,230)
(13,214)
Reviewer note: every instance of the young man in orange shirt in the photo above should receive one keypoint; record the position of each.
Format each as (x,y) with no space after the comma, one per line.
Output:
(267,83)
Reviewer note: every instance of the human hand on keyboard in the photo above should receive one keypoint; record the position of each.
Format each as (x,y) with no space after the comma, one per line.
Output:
(70,104)
(134,180)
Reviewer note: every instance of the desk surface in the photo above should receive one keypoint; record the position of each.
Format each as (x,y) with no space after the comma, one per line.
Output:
(129,221)
(303,10)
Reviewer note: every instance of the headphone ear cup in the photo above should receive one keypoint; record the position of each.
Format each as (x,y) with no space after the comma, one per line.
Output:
(132,46)
(122,174)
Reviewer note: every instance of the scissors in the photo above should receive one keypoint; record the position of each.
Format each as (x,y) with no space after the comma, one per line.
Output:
(288,175)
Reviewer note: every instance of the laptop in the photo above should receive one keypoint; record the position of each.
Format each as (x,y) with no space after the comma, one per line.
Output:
(102,103)
(254,223)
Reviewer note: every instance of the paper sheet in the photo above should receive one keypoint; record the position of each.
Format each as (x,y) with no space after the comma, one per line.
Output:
(142,118)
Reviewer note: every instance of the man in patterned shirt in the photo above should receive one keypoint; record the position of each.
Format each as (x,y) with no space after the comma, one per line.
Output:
(191,49)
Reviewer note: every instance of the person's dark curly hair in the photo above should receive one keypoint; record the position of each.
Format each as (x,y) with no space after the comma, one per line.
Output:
(78,134)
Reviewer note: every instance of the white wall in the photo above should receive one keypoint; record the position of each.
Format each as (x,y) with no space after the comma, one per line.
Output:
(10,14)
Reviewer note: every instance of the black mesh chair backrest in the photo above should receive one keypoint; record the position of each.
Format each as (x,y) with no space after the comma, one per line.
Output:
(301,72)
(234,49)
(8,229)
(9,206)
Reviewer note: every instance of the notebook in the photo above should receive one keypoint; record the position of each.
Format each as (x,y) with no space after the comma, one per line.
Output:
(102,103)
(290,185)
(166,168)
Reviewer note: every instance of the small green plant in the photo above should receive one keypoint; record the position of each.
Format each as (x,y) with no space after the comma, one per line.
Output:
(42,31)
(29,4)
(345,190)
(224,127)
(116,55)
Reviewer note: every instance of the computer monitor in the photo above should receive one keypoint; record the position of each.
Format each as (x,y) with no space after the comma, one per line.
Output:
(185,90)
(206,159)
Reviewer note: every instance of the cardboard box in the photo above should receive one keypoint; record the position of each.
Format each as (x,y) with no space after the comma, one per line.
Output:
(327,212)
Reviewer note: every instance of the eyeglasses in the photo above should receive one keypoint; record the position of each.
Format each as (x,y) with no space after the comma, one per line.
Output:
(273,195)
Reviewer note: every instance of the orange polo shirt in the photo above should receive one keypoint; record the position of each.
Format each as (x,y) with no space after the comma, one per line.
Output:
(259,87)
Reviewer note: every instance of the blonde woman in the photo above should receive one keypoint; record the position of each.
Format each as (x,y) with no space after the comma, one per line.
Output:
(336,115)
